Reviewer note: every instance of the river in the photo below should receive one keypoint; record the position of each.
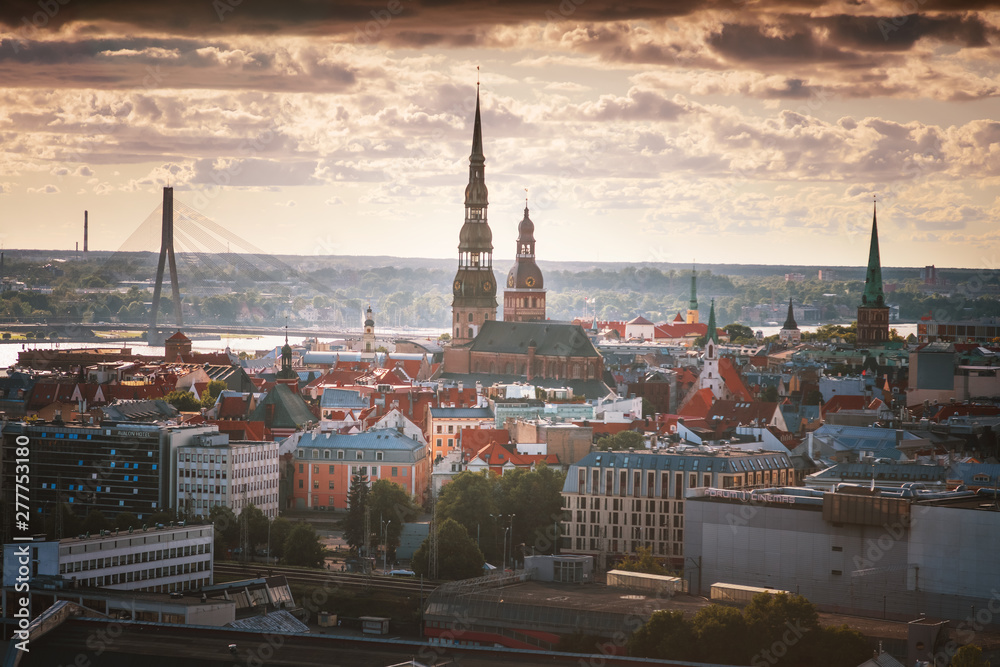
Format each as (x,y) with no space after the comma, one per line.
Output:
(252,344)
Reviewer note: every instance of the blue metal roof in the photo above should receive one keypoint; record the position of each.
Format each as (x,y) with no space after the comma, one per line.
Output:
(382,439)
(342,398)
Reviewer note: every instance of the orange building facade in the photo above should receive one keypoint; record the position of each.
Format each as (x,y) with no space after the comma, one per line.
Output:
(324,464)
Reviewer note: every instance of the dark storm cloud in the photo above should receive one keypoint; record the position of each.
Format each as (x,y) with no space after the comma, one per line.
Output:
(877,33)
(750,43)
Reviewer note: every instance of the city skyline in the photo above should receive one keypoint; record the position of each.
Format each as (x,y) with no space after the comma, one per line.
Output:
(720,133)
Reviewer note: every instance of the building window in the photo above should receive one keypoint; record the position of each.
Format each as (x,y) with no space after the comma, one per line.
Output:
(326,453)
(395,472)
(359,455)
(332,468)
(315,470)
(378,456)
(340,455)
(331,485)
(300,483)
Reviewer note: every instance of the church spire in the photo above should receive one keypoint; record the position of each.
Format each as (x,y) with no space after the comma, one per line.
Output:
(693,303)
(713,332)
(692,311)
(873,296)
(790,320)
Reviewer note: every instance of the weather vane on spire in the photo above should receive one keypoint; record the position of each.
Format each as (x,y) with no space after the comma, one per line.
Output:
(526,198)
(477,76)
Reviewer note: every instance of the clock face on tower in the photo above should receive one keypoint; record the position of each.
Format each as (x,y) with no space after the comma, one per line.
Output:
(458,285)
(487,285)
(530,282)
(510,281)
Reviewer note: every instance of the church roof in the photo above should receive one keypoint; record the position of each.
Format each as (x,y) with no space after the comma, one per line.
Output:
(639,320)
(553,339)
(289,410)
(179,336)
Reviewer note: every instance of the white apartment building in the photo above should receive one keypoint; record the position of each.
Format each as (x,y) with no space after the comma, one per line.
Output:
(161,560)
(233,474)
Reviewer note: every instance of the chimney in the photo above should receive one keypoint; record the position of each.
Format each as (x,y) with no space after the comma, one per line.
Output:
(85,231)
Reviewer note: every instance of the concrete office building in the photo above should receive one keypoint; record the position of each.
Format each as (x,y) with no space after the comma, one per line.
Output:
(216,472)
(894,552)
(161,560)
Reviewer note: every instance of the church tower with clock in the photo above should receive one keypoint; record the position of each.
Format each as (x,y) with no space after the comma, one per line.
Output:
(524,298)
(474,290)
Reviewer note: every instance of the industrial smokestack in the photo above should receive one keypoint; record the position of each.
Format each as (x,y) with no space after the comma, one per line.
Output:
(85,231)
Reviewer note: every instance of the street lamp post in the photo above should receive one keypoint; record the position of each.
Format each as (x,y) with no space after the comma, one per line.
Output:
(503,564)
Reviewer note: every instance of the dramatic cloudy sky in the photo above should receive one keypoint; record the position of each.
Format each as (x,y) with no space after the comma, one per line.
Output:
(753,131)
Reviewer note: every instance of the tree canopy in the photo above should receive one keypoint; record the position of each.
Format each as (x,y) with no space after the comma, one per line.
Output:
(781,630)
(622,440)
(302,546)
(458,555)
(183,401)
(483,503)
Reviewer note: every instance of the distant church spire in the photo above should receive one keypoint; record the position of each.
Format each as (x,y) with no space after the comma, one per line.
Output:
(713,330)
(692,312)
(873,314)
(790,320)
(873,295)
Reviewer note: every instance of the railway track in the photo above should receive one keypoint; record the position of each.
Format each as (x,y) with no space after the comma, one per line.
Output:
(373,582)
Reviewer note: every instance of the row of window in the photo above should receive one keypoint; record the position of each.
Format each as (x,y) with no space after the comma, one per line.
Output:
(358,455)
(147,574)
(150,556)
(625,546)
(332,470)
(245,457)
(625,519)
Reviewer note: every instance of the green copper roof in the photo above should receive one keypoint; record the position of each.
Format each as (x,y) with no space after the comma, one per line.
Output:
(873,296)
(713,333)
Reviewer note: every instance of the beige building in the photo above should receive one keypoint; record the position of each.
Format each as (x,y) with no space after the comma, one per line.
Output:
(617,502)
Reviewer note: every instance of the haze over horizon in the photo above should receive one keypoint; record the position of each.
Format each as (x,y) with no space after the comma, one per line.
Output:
(714,132)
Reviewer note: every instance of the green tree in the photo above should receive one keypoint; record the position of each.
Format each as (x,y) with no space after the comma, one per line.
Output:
(667,635)
(256,523)
(215,387)
(227,529)
(302,546)
(740,334)
(124,520)
(644,562)
(769,395)
(470,499)
(838,645)
(722,635)
(534,497)
(353,524)
(95,522)
(621,441)
(969,655)
(281,528)
(458,555)
(769,618)
(183,401)
(391,506)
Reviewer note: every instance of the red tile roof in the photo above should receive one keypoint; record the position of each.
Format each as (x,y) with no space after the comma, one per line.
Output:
(699,404)
(843,402)
(733,380)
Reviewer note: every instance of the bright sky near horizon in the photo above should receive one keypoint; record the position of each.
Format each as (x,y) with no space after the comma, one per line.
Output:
(741,131)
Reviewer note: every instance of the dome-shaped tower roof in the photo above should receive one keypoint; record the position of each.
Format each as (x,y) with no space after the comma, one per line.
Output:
(525,274)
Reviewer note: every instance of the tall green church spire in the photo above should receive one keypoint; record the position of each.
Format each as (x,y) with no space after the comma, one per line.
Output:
(693,303)
(873,296)
(712,333)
